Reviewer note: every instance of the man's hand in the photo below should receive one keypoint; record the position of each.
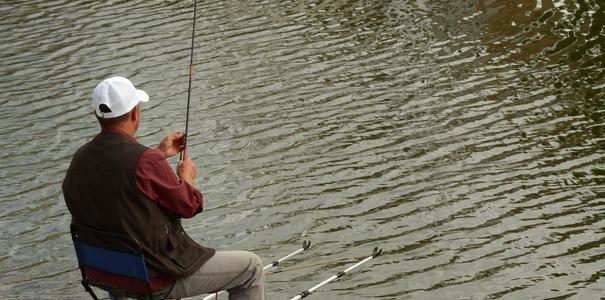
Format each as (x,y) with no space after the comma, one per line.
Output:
(186,170)
(172,144)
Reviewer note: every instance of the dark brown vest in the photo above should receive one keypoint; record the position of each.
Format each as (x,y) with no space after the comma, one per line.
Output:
(100,191)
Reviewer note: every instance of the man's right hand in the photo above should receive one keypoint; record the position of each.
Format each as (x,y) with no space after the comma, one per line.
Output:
(186,170)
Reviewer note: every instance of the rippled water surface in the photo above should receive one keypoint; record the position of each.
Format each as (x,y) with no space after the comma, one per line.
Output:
(465,138)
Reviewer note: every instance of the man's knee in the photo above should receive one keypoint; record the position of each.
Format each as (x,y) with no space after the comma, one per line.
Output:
(256,263)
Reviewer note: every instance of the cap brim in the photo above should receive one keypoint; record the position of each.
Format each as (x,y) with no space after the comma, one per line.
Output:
(142,96)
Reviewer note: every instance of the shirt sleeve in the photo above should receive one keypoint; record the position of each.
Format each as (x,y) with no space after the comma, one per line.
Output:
(156,180)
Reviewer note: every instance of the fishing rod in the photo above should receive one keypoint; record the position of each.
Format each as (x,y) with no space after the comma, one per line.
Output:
(375,253)
(306,244)
(184,153)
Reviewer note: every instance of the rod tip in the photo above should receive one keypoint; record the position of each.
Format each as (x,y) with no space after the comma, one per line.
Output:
(306,244)
(376,252)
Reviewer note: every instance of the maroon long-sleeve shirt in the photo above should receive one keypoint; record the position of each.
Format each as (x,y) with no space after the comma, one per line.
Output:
(156,180)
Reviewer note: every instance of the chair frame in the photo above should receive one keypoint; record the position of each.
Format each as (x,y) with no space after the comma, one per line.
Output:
(131,263)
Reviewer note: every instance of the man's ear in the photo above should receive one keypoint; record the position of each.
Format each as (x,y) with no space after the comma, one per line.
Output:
(135,115)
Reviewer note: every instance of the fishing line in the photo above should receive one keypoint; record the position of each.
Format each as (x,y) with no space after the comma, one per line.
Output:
(184,153)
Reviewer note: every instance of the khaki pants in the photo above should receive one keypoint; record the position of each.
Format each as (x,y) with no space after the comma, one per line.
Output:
(238,272)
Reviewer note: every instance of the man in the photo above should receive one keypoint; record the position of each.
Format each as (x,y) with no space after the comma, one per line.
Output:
(116,184)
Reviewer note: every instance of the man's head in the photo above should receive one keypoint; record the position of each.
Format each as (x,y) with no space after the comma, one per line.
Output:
(115,101)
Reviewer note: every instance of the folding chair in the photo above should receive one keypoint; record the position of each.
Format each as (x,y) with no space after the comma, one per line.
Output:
(120,271)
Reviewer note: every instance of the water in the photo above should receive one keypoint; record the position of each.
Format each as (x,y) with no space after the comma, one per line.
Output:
(465,138)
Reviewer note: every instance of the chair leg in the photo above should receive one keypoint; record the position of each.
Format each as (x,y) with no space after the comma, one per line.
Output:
(116,296)
(89,290)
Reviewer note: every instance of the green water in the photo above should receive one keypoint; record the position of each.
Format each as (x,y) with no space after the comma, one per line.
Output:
(465,138)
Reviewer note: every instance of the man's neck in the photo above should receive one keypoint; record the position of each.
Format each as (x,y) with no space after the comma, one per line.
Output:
(121,129)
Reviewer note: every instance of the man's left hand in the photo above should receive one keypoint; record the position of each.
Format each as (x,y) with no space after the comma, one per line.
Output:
(172,144)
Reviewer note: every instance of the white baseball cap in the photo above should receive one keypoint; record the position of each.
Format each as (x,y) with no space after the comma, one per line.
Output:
(116,96)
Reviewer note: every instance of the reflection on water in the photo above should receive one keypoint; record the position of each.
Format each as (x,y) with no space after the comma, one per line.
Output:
(463,137)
